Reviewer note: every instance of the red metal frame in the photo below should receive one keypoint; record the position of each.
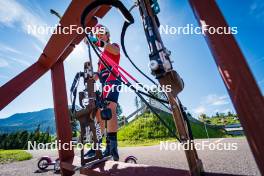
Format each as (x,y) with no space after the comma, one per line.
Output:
(239,81)
(234,70)
(63,126)
(14,87)
(56,51)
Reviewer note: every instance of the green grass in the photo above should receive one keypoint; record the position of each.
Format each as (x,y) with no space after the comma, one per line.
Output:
(222,121)
(148,130)
(146,142)
(7,156)
(199,132)
(145,127)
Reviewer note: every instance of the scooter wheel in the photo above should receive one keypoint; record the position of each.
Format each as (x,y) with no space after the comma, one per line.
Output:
(131,159)
(43,163)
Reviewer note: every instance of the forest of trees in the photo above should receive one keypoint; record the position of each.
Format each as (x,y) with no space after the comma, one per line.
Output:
(220,118)
(19,140)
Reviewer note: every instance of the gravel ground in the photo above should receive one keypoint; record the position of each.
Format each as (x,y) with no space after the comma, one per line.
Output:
(237,162)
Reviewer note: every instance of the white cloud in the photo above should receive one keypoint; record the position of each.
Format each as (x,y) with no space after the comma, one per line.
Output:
(216,110)
(257,10)
(7,57)
(6,48)
(20,61)
(37,47)
(216,100)
(13,14)
(225,111)
(257,62)
(3,63)
(253,6)
(3,77)
(213,103)
(79,52)
(261,82)
(199,110)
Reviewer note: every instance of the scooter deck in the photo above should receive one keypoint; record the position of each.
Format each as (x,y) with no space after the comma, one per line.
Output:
(75,166)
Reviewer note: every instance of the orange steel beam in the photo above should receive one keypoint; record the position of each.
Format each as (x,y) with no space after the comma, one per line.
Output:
(59,42)
(18,84)
(239,81)
(63,126)
(14,87)
(56,51)
(58,47)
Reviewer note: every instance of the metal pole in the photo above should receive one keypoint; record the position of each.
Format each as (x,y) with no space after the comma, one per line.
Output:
(239,81)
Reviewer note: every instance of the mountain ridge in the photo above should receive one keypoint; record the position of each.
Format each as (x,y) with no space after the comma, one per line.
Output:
(29,121)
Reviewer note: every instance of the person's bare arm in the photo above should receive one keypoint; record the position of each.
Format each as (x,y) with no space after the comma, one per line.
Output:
(96,76)
(113,49)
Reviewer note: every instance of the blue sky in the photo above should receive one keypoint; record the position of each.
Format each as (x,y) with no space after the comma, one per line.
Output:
(204,91)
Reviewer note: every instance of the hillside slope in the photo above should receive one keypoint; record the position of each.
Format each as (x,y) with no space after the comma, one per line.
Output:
(147,127)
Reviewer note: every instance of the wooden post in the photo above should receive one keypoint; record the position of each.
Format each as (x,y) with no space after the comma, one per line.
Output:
(63,126)
(239,81)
